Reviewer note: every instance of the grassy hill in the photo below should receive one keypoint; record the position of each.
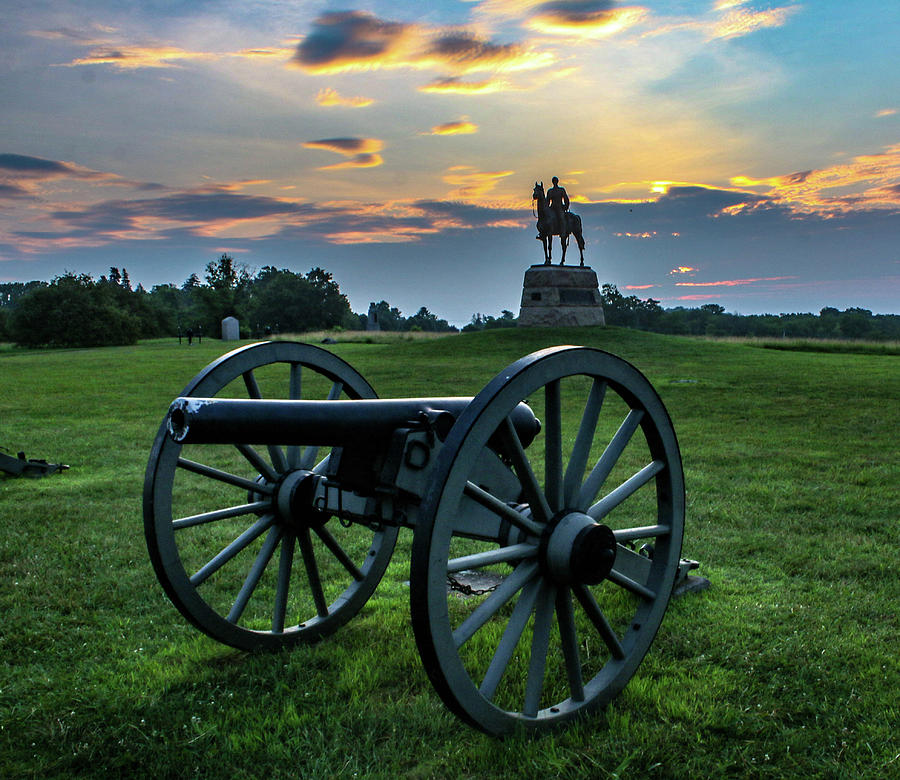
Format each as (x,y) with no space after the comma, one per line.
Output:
(787,667)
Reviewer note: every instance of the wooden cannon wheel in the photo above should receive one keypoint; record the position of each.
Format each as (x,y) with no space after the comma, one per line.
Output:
(224,553)
(589,553)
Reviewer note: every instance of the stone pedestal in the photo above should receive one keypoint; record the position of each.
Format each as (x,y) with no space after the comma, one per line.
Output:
(555,295)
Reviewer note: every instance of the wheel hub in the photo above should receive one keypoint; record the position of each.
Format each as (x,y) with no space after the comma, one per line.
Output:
(578,550)
(294,501)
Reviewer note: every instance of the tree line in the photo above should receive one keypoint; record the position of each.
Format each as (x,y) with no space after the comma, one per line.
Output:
(711,319)
(76,310)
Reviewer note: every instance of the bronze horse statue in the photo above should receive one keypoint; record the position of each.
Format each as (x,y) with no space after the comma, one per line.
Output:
(547,227)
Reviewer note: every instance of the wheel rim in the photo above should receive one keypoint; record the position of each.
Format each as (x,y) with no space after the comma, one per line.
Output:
(550,643)
(236,566)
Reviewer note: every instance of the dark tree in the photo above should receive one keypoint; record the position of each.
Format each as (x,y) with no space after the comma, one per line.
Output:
(73,311)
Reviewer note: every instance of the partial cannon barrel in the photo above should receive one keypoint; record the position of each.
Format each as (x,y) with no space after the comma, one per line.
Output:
(335,423)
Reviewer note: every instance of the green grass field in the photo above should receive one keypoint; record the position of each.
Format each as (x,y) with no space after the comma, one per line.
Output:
(788,666)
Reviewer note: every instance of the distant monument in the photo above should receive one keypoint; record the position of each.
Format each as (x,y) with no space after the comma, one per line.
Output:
(230,329)
(559,295)
(372,318)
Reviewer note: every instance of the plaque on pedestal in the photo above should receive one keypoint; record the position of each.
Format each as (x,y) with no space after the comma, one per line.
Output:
(557,295)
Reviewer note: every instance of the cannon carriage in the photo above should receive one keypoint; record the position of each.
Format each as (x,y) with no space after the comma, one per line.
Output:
(278,483)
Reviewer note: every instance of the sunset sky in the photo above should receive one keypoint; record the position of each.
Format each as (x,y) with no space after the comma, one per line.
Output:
(735,152)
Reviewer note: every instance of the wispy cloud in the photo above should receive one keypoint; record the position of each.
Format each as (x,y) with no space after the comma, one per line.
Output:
(134,57)
(458,86)
(24,167)
(327,96)
(734,282)
(363,152)
(727,19)
(885,112)
(470,183)
(459,127)
(868,181)
(738,21)
(109,46)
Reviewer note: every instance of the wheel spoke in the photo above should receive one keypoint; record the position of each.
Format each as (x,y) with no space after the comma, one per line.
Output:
(609,502)
(275,452)
(644,532)
(490,501)
(565,618)
(312,572)
(311,453)
(224,476)
(294,394)
(257,462)
(285,563)
(553,471)
(611,454)
(629,584)
(232,549)
(511,635)
(515,552)
(583,441)
(540,643)
(535,497)
(338,552)
(254,575)
(596,616)
(220,514)
(493,603)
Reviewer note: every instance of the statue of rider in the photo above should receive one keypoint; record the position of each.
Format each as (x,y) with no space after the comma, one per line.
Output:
(558,203)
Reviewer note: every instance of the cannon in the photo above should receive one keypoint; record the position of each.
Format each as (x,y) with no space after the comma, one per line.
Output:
(547,516)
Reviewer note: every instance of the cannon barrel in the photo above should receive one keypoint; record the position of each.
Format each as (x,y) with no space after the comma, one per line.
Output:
(335,423)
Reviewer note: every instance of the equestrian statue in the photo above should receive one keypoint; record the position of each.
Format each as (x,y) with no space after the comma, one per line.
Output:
(555,219)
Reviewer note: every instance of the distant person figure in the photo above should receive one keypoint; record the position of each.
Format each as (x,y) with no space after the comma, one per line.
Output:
(190,334)
(558,202)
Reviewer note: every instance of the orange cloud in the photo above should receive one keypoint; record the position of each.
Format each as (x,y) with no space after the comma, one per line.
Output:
(471,183)
(397,235)
(344,41)
(865,182)
(461,127)
(640,286)
(331,97)
(108,49)
(454,85)
(734,282)
(885,112)
(363,152)
(133,57)
(590,19)
(683,269)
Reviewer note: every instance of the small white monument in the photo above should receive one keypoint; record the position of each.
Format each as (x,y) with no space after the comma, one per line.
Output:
(230,329)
